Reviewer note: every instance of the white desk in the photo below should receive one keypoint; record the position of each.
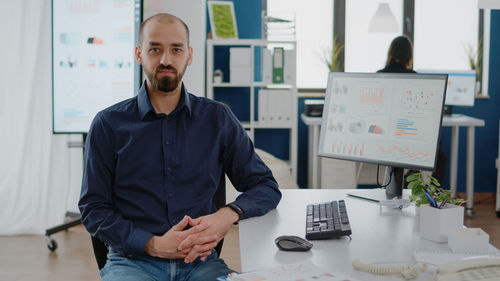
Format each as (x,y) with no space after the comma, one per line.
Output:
(454,121)
(387,235)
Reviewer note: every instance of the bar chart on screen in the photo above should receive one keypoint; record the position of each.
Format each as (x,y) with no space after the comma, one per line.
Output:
(372,95)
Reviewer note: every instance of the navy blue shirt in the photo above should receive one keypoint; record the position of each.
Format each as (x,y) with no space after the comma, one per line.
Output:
(144,171)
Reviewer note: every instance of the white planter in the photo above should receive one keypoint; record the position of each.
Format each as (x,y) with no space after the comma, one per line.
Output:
(436,224)
(417,210)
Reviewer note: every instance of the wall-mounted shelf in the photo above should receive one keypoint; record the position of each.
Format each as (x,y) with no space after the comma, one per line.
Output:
(252,124)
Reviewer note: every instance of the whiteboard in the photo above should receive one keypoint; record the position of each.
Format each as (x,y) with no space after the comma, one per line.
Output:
(93,63)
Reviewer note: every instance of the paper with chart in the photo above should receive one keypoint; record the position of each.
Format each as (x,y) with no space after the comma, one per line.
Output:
(304,271)
(393,120)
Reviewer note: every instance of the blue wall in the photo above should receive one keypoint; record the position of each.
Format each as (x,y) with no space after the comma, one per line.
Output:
(248,14)
(486,137)
(486,152)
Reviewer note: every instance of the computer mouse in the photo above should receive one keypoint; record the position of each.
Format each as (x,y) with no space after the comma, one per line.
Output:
(292,243)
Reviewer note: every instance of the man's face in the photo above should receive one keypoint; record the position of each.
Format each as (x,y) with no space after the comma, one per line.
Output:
(164,54)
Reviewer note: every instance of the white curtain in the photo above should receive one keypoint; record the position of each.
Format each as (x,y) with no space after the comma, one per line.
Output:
(39,176)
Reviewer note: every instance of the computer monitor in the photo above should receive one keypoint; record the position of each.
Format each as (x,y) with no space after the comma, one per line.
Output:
(391,119)
(461,88)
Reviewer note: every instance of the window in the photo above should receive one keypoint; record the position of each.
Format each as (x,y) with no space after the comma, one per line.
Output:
(365,51)
(444,30)
(314,35)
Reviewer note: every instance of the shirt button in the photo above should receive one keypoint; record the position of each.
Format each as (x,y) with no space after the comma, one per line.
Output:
(168,142)
(169,169)
(170,195)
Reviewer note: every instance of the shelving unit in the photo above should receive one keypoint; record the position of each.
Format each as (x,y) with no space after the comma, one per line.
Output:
(253,123)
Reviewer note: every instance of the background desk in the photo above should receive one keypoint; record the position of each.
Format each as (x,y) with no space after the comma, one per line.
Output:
(454,121)
(377,235)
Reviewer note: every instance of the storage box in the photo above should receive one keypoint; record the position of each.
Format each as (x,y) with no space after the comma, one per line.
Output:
(240,65)
(240,57)
(436,224)
(240,74)
(267,67)
(469,240)
(289,67)
(275,108)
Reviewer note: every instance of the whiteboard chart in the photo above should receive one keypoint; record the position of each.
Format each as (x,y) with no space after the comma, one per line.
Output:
(93,63)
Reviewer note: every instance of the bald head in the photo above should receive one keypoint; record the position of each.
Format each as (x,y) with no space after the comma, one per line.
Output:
(162,18)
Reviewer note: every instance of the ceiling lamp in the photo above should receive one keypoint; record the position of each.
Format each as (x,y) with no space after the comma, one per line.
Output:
(384,20)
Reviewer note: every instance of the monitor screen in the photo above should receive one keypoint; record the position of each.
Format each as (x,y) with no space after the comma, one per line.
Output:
(93,63)
(391,119)
(461,88)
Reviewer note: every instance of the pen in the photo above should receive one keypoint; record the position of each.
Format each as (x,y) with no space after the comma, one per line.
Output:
(432,201)
(442,203)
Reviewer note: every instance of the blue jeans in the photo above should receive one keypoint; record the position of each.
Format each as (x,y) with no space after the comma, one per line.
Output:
(146,268)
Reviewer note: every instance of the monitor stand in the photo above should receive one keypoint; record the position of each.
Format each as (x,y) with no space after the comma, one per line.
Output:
(395,186)
(394,189)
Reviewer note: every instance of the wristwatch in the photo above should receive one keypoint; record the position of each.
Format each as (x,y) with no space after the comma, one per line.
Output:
(237,209)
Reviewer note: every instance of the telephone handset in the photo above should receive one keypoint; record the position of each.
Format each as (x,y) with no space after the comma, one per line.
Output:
(473,269)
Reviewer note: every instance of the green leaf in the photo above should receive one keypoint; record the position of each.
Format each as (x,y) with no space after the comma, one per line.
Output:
(413,177)
(414,185)
(418,192)
(435,181)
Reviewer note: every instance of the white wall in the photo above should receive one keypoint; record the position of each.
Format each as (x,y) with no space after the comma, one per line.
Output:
(40,177)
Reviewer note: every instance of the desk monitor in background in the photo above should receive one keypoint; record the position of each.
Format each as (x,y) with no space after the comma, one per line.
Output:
(461,88)
(390,119)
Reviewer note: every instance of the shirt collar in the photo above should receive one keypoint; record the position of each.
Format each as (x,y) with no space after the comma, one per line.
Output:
(144,103)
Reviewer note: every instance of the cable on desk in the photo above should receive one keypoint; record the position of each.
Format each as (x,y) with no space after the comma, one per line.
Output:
(390,178)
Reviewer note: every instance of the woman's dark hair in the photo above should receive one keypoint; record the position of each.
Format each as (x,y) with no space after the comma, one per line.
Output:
(400,51)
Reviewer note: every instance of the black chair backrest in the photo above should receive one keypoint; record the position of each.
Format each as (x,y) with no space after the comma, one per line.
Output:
(101,251)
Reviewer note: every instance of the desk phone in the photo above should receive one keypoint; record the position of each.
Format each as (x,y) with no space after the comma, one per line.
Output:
(474,269)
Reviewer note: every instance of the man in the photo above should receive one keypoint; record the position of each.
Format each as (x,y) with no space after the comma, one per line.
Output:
(153,163)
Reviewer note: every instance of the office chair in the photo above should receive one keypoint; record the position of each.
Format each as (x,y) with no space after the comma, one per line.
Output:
(101,252)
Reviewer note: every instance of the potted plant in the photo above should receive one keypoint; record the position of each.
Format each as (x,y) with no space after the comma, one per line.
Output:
(418,183)
(440,217)
(475,60)
(332,57)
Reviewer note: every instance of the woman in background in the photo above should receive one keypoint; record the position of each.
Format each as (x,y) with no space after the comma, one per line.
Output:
(400,60)
(400,56)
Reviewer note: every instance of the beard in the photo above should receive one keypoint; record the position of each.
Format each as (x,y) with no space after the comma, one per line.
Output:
(165,83)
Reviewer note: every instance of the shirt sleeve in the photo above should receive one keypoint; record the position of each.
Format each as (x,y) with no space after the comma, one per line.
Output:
(96,203)
(246,170)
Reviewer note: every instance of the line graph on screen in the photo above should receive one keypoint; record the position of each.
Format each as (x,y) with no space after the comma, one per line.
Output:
(399,150)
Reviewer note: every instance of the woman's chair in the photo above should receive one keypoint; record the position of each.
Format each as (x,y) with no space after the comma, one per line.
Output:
(101,252)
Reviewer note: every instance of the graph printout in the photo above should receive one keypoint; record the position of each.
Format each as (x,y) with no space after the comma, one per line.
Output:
(92,59)
(389,119)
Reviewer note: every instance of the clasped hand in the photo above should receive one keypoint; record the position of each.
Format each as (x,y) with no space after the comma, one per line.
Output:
(198,241)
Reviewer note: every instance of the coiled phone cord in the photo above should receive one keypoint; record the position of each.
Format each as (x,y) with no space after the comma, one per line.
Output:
(407,271)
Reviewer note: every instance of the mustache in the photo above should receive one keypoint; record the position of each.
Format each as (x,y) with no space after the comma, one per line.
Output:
(168,67)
